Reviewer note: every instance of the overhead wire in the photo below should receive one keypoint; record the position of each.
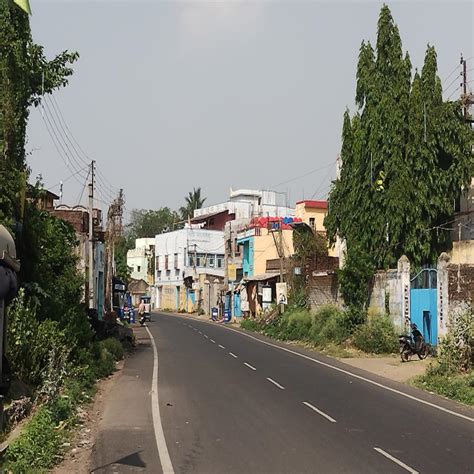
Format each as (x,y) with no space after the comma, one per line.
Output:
(303,175)
(66,179)
(79,200)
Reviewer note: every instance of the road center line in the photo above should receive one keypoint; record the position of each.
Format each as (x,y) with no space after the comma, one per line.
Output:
(212,340)
(222,347)
(206,336)
(332,420)
(396,461)
(233,355)
(351,374)
(200,332)
(163,453)
(250,366)
(275,383)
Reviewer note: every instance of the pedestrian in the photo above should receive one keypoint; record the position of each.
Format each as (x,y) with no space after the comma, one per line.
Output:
(141,312)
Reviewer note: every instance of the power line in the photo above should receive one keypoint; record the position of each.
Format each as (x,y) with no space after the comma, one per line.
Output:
(304,175)
(320,187)
(66,179)
(55,143)
(84,187)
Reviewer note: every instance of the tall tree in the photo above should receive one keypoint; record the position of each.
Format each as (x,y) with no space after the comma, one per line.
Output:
(405,156)
(25,75)
(148,223)
(193,201)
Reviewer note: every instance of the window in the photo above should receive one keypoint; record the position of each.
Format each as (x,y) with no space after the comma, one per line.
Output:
(312,223)
(199,260)
(220,261)
(166,262)
(157,262)
(237,248)
(176,260)
(139,268)
(211,261)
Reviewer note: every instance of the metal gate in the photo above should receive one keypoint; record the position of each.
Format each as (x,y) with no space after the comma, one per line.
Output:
(424,303)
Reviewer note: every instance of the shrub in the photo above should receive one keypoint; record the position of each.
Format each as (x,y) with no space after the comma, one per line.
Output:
(113,346)
(251,325)
(376,336)
(36,449)
(330,324)
(298,325)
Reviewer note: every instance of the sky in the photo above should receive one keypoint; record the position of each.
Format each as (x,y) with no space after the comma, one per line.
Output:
(172,95)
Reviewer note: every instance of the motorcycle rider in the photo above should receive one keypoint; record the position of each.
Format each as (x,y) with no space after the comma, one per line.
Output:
(417,337)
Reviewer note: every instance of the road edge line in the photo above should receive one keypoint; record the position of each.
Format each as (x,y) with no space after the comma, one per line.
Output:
(165,460)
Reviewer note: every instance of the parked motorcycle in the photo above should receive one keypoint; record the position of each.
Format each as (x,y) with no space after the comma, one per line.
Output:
(414,344)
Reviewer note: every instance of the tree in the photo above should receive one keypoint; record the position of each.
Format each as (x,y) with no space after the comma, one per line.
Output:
(193,201)
(148,223)
(25,75)
(405,155)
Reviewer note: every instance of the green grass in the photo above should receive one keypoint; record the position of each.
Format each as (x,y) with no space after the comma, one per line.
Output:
(456,386)
(39,447)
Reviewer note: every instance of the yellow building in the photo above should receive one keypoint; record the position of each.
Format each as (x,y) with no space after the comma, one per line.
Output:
(313,213)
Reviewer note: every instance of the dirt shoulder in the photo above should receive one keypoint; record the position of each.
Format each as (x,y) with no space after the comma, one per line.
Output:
(79,447)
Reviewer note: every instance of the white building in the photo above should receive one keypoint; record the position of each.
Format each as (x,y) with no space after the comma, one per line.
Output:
(248,203)
(138,259)
(180,258)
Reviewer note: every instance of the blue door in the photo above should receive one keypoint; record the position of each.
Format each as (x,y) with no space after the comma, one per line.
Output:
(424,304)
(237,309)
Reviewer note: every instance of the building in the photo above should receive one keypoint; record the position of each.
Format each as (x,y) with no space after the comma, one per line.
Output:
(181,257)
(78,217)
(141,260)
(242,204)
(463,225)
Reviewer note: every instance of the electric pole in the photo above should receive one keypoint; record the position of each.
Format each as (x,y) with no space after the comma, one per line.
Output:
(467,99)
(91,237)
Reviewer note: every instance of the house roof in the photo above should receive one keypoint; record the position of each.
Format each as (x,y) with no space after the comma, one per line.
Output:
(314,204)
(262,277)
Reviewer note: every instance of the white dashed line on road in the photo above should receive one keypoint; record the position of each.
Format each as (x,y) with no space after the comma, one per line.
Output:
(206,336)
(222,347)
(332,420)
(212,340)
(396,461)
(233,355)
(250,366)
(200,332)
(276,383)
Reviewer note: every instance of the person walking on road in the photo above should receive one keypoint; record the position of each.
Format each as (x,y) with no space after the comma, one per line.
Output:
(141,312)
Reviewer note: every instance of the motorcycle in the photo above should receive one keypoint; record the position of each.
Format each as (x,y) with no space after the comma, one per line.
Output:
(414,344)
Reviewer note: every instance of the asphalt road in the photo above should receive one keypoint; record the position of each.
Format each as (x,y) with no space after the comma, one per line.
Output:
(230,403)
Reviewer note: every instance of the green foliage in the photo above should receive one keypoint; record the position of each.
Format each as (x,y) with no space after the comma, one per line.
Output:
(458,387)
(193,201)
(405,155)
(148,223)
(114,347)
(36,348)
(376,336)
(330,325)
(122,269)
(37,448)
(308,244)
(298,325)
(251,324)
(49,272)
(25,75)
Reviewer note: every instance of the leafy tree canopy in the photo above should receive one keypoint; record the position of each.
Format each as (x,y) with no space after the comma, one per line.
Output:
(406,155)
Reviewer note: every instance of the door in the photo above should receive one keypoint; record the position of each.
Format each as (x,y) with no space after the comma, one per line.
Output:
(424,304)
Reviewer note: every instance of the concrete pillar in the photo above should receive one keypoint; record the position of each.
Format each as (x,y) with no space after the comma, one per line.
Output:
(403,268)
(442,294)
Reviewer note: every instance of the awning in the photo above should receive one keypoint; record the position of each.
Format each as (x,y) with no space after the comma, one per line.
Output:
(262,277)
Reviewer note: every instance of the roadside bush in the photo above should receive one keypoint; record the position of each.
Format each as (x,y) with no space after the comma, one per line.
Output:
(330,324)
(114,347)
(251,325)
(376,336)
(298,326)
(37,447)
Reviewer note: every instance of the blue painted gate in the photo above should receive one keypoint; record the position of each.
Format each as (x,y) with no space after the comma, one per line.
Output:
(237,309)
(424,304)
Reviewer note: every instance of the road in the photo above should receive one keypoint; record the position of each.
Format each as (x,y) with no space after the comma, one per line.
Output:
(230,402)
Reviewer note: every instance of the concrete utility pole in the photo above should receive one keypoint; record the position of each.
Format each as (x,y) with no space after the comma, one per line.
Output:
(113,231)
(466,99)
(91,237)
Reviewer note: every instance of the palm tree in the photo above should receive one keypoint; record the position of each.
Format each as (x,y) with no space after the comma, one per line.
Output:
(193,201)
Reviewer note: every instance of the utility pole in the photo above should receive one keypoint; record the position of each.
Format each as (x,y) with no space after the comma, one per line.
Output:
(466,99)
(91,237)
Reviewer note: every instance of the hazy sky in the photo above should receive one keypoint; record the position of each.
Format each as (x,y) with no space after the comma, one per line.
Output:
(168,96)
